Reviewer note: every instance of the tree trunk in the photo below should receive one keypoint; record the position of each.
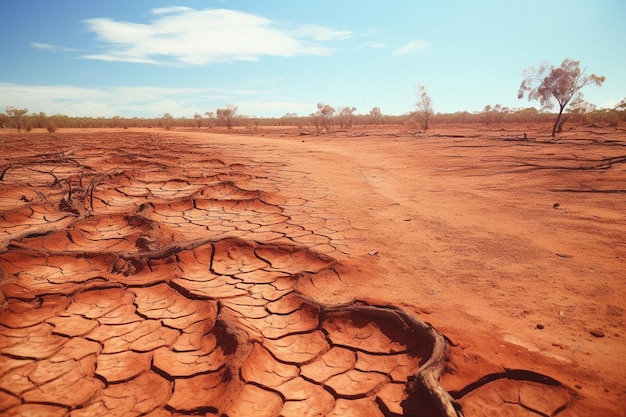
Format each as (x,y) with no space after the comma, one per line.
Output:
(558,121)
(559,129)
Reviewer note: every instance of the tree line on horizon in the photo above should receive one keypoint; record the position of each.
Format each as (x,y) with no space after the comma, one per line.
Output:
(547,84)
(497,114)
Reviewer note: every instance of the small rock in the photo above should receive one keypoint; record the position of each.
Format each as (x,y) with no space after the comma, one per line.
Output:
(596,333)
(540,326)
(556,205)
(372,253)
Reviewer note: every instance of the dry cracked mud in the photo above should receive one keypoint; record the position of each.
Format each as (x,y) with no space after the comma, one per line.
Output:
(145,276)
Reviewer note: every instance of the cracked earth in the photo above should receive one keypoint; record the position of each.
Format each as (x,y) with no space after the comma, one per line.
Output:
(181,273)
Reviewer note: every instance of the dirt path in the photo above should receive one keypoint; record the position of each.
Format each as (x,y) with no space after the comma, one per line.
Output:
(182,260)
(515,250)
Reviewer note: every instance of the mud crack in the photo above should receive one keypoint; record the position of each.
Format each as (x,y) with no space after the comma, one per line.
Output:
(174,291)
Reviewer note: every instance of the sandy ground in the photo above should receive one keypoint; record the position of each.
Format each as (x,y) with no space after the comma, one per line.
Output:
(514,250)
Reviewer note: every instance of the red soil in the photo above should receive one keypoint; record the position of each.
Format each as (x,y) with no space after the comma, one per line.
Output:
(264,272)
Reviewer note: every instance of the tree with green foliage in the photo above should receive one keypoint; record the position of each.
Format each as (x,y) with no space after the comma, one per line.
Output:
(551,83)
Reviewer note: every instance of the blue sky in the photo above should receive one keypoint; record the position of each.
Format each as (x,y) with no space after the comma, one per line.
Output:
(147,57)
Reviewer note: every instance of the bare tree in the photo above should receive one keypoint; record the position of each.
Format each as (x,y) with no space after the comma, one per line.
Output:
(225,116)
(323,117)
(375,115)
(346,116)
(424,106)
(210,115)
(289,119)
(41,118)
(548,83)
(167,121)
(197,117)
(4,120)
(16,116)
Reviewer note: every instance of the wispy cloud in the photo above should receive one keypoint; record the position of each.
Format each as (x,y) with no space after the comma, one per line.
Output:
(322,33)
(143,101)
(173,9)
(51,48)
(376,45)
(414,46)
(185,36)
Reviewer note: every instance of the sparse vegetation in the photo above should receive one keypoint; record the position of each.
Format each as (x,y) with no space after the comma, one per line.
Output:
(546,84)
(488,115)
(197,117)
(550,83)
(424,106)
(226,115)
(346,116)
(16,116)
(167,121)
(495,114)
(50,126)
(375,116)
(323,117)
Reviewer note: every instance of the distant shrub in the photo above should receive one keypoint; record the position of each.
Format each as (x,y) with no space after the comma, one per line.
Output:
(51,127)
(611,118)
(28,127)
(413,121)
(604,117)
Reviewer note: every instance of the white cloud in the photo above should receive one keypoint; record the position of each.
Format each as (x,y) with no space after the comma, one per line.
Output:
(51,48)
(416,45)
(376,45)
(185,36)
(43,46)
(141,101)
(173,9)
(322,33)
